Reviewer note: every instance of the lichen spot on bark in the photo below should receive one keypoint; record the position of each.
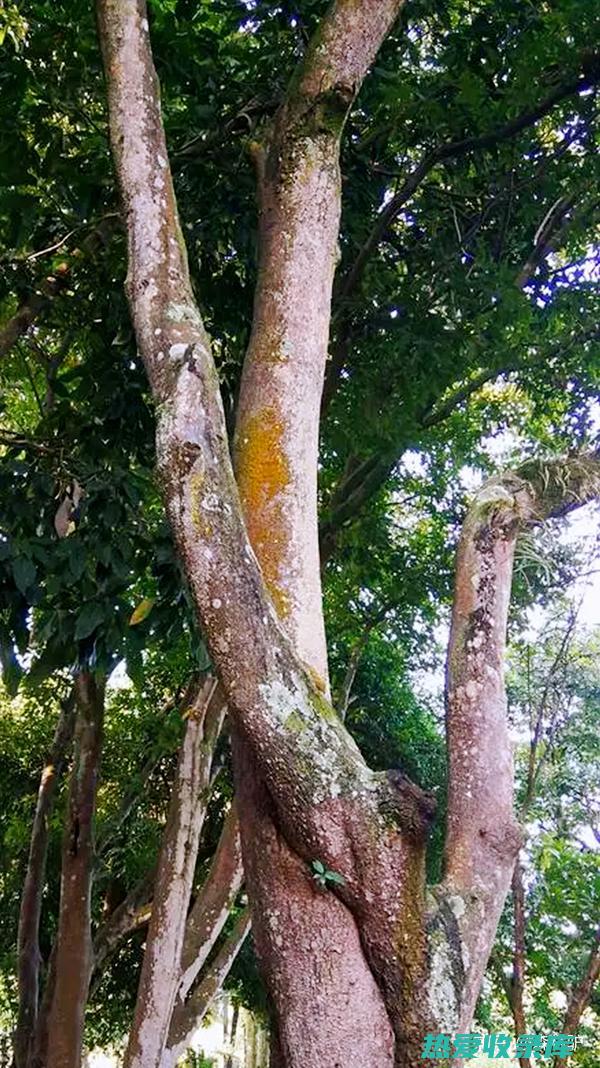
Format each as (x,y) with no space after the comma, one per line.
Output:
(295,722)
(198,513)
(263,474)
(320,703)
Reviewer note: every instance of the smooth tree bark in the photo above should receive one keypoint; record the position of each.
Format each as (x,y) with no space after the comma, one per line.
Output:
(213,904)
(28,948)
(276,452)
(188,1015)
(73,950)
(416,957)
(204,708)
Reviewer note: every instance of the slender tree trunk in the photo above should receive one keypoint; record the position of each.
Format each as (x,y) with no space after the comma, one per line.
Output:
(39,1057)
(28,950)
(581,996)
(73,946)
(173,886)
(188,1016)
(517,984)
(213,904)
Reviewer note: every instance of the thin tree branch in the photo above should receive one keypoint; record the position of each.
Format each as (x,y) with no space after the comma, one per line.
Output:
(581,996)
(453,150)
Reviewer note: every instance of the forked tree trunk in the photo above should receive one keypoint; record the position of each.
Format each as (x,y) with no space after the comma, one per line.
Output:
(73,944)
(187,1016)
(28,949)
(161,968)
(416,958)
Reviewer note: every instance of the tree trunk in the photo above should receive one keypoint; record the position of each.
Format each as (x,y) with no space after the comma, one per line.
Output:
(28,950)
(73,945)
(415,959)
(188,1016)
(581,996)
(173,886)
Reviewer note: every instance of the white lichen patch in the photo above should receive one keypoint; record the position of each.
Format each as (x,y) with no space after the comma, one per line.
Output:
(178,351)
(183,313)
(494,493)
(457,904)
(442,997)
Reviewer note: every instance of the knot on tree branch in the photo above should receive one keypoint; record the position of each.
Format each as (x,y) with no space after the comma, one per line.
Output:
(506,839)
(414,808)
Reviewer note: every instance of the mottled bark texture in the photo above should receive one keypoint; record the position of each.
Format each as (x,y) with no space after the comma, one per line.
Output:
(28,949)
(483,836)
(73,941)
(204,709)
(417,959)
(276,451)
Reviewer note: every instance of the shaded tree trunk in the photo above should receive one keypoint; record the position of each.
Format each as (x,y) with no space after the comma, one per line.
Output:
(73,945)
(187,1016)
(28,950)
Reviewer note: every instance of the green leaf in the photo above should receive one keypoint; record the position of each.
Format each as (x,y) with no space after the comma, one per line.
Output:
(90,617)
(318,867)
(335,877)
(24,573)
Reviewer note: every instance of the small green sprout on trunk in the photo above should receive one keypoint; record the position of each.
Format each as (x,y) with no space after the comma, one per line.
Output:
(324,877)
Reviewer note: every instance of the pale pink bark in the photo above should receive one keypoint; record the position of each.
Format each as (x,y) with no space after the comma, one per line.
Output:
(483,836)
(282,382)
(329,1010)
(276,468)
(173,885)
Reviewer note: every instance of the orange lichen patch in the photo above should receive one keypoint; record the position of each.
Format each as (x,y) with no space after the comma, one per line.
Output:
(199,517)
(317,678)
(47,773)
(262,471)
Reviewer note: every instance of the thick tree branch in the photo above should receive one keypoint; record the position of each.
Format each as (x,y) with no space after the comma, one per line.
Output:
(482,835)
(329,804)
(282,381)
